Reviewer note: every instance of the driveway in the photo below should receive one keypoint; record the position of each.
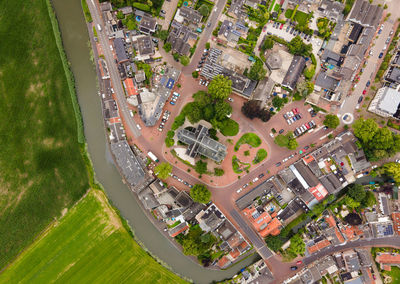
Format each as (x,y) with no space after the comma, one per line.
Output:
(169,6)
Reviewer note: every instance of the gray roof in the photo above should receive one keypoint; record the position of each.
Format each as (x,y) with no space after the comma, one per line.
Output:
(264,90)
(365,14)
(105,6)
(126,10)
(192,211)
(359,162)
(260,190)
(147,24)
(330,57)
(128,163)
(200,142)
(331,9)
(294,72)
(183,199)
(393,75)
(178,37)
(148,199)
(307,174)
(120,50)
(140,76)
(145,45)
(211,219)
(352,262)
(190,14)
(274,61)
(325,81)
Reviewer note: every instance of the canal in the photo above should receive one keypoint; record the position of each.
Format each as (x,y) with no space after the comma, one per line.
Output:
(75,38)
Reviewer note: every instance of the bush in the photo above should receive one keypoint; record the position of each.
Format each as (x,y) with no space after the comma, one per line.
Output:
(229,127)
(167,47)
(200,193)
(247,153)
(248,138)
(260,156)
(195,74)
(207,45)
(178,122)
(141,6)
(185,60)
(169,142)
(201,167)
(218,172)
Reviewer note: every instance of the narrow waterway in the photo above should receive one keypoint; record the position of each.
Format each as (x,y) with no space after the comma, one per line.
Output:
(75,39)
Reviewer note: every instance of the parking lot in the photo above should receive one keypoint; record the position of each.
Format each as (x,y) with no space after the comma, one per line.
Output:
(287,33)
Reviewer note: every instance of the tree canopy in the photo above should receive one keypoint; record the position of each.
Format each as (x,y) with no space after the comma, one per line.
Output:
(257,71)
(378,143)
(200,193)
(252,109)
(331,121)
(222,109)
(201,167)
(287,141)
(203,10)
(163,170)
(393,170)
(220,87)
(268,43)
(357,192)
(185,60)
(297,245)
(297,47)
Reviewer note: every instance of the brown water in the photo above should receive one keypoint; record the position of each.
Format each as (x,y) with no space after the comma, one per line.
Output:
(75,38)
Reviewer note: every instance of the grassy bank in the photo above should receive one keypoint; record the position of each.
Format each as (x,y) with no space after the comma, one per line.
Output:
(42,170)
(89,245)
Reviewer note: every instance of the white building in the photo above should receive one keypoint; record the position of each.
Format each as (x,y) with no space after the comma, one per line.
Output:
(386,103)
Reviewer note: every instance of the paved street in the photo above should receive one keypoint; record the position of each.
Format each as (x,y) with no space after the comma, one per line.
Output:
(380,242)
(372,63)
(112,68)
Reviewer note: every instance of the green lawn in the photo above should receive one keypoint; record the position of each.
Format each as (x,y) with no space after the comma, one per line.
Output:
(239,166)
(88,245)
(301,18)
(260,156)
(248,138)
(229,127)
(42,170)
(394,273)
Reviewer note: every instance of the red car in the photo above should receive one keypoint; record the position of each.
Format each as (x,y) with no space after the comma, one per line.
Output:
(264,29)
(299,262)
(281,26)
(364,92)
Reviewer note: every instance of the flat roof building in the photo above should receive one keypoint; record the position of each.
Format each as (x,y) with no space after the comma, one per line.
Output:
(365,14)
(386,103)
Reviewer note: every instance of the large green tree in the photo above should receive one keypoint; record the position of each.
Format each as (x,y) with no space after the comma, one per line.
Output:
(268,43)
(297,245)
(357,192)
(220,87)
(365,129)
(257,71)
(203,10)
(274,242)
(163,170)
(297,47)
(222,109)
(184,60)
(200,193)
(393,170)
(331,121)
(201,167)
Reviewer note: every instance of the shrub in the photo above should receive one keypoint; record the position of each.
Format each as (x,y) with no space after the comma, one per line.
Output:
(218,172)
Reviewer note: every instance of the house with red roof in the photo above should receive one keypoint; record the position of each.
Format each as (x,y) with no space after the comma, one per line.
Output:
(387,260)
(262,221)
(130,87)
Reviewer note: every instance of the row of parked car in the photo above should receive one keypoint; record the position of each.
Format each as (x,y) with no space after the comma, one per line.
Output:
(291,29)
(174,98)
(292,116)
(304,128)
(164,119)
(260,176)
(312,112)
(181,180)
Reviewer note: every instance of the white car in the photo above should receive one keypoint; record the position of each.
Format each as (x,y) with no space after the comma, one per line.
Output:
(288,121)
(138,126)
(180,180)
(230,99)
(271,134)
(239,190)
(111,47)
(256,179)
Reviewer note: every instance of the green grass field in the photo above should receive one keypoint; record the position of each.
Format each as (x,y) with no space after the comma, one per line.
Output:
(88,245)
(248,138)
(42,170)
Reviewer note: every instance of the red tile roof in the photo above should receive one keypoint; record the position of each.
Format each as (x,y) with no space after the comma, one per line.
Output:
(318,191)
(130,87)
(243,245)
(308,159)
(396,222)
(318,246)
(331,221)
(180,231)
(234,253)
(386,267)
(223,261)
(388,258)
(339,235)
(263,223)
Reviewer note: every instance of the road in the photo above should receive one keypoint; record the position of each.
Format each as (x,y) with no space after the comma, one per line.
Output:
(205,36)
(378,242)
(114,74)
(372,65)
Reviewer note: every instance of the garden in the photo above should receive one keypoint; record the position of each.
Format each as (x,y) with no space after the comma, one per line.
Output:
(248,138)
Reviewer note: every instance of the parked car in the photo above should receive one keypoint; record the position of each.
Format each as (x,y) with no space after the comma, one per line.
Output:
(281,26)
(380,55)
(285,116)
(368,83)
(230,99)
(288,121)
(255,179)
(239,190)
(172,103)
(281,131)
(293,268)
(278,164)
(364,92)
(299,262)
(307,147)
(288,28)
(260,175)
(360,99)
